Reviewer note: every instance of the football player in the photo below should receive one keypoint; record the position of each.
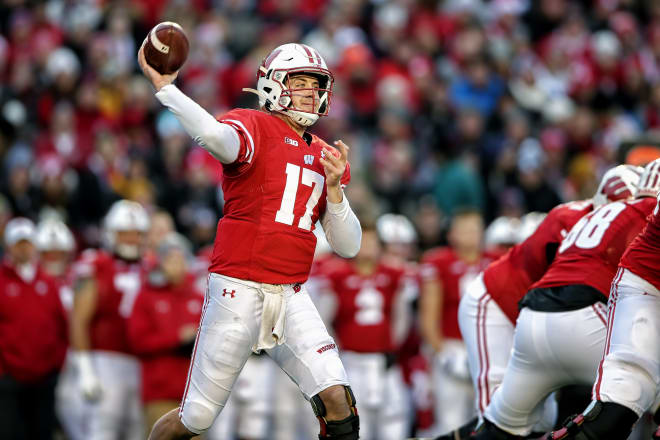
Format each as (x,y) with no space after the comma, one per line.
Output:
(278,180)
(445,273)
(368,293)
(561,331)
(627,380)
(488,312)
(107,283)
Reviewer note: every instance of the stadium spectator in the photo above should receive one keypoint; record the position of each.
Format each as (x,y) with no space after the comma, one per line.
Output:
(33,338)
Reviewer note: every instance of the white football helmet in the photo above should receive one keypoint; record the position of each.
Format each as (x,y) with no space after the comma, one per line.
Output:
(528,224)
(124,215)
(395,229)
(502,231)
(54,235)
(618,183)
(649,183)
(274,73)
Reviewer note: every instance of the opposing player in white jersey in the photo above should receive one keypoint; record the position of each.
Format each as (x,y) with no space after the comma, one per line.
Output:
(487,314)
(561,330)
(107,283)
(628,377)
(278,181)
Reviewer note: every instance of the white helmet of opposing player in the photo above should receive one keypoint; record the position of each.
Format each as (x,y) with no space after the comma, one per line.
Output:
(618,183)
(395,229)
(54,235)
(125,215)
(502,231)
(273,82)
(528,224)
(649,182)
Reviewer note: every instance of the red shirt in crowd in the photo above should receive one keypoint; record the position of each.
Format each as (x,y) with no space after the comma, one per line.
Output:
(643,255)
(118,282)
(159,314)
(274,194)
(454,275)
(590,253)
(365,306)
(33,330)
(508,279)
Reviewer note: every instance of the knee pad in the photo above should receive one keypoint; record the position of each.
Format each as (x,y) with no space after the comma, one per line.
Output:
(197,418)
(346,429)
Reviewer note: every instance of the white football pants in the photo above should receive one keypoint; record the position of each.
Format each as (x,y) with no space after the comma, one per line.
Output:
(250,405)
(229,328)
(488,336)
(550,350)
(118,413)
(382,396)
(629,373)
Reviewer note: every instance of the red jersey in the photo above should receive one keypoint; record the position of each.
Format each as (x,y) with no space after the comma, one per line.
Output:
(454,275)
(643,255)
(33,329)
(159,314)
(274,194)
(590,253)
(509,278)
(365,304)
(118,283)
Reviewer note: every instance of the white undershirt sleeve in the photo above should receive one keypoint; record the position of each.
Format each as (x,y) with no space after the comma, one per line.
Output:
(342,228)
(221,140)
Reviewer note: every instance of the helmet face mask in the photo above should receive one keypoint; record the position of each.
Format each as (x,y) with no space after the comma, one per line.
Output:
(275,77)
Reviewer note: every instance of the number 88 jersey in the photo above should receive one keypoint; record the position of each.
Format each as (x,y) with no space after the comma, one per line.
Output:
(643,255)
(117,285)
(590,252)
(274,194)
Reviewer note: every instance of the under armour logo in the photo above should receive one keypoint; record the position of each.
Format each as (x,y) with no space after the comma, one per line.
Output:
(224,292)
(309,159)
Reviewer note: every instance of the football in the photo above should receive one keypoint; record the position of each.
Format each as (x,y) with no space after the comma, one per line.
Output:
(166,47)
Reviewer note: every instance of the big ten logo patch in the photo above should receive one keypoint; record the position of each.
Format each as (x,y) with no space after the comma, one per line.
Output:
(290,141)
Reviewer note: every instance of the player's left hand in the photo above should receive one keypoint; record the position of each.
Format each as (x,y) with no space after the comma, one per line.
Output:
(334,164)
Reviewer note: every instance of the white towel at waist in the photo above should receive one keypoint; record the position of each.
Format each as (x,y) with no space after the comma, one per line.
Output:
(273,317)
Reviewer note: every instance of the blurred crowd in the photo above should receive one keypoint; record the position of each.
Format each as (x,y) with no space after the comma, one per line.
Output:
(513,104)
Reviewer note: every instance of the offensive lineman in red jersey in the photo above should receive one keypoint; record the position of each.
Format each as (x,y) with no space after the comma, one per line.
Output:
(278,180)
(487,314)
(560,333)
(369,297)
(628,377)
(106,287)
(445,273)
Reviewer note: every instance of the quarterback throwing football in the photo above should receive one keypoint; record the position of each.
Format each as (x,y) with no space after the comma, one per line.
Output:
(278,180)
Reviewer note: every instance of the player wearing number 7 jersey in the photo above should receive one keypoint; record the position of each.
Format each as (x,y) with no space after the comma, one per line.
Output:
(278,180)
(561,330)
(106,285)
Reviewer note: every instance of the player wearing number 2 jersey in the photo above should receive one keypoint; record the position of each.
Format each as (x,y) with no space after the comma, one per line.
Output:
(561,331)
(106,285)
(627,380)
(278,180)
